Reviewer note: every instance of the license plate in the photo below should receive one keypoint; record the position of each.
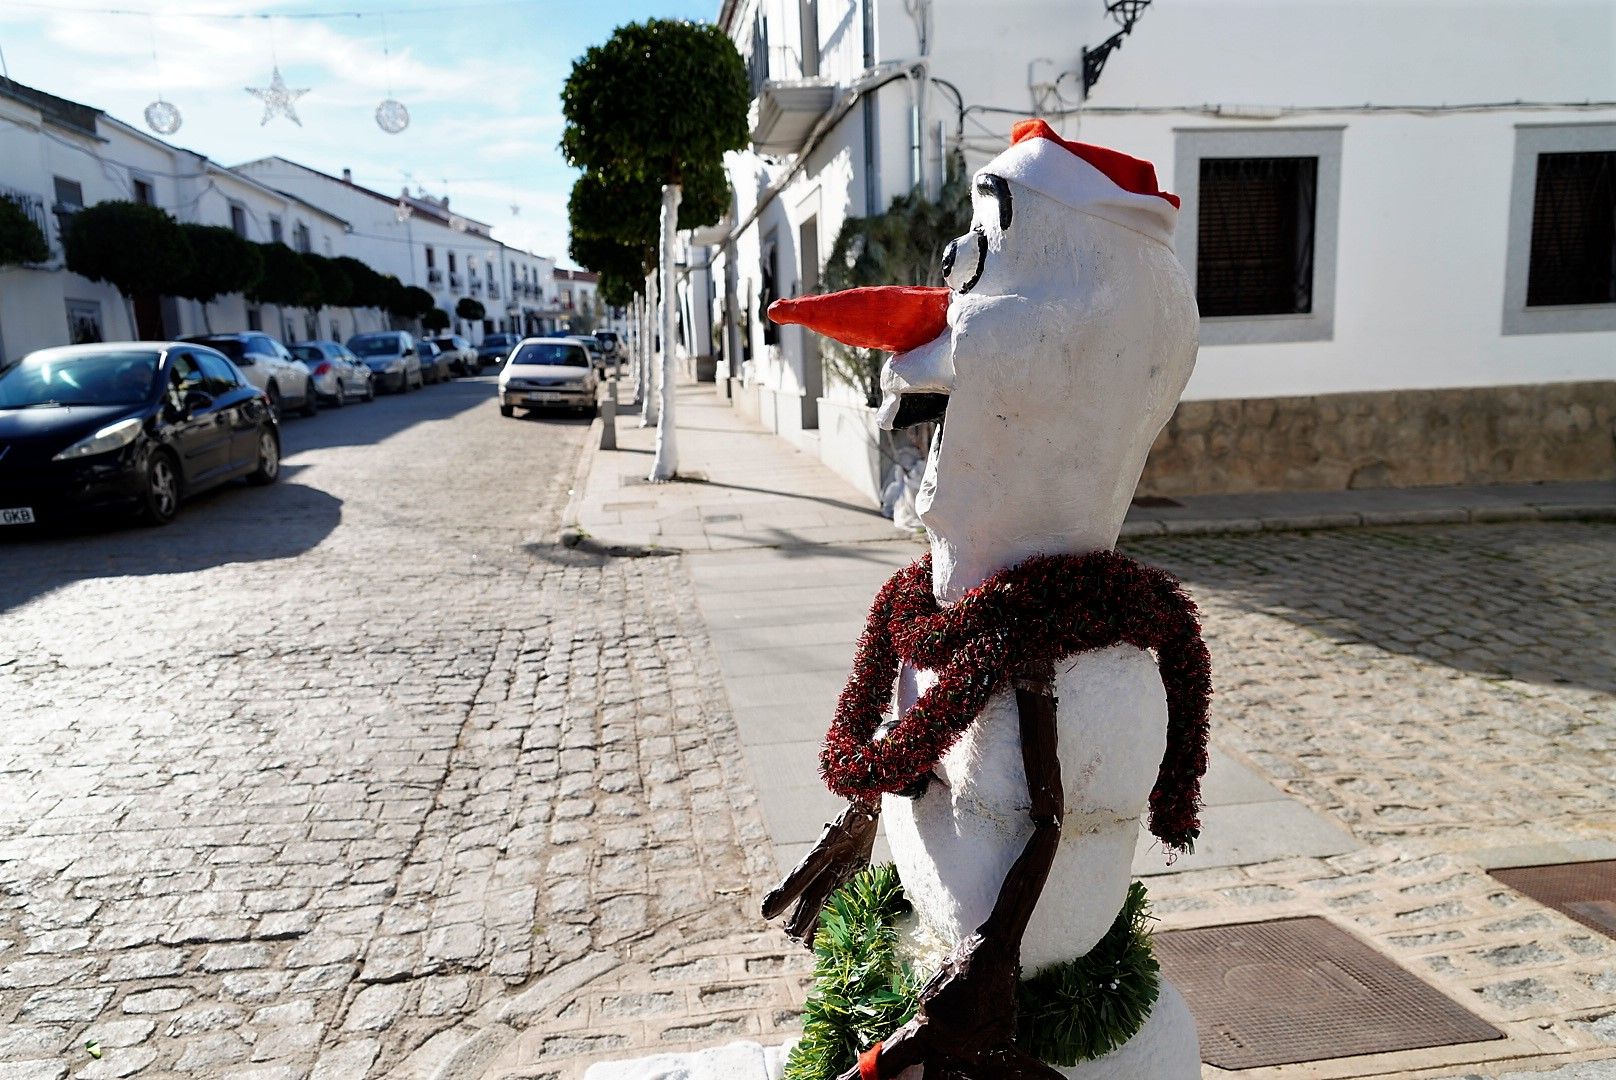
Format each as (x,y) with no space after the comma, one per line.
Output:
(544,399)
(17,515)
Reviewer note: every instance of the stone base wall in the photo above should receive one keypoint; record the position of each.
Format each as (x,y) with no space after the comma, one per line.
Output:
(1398,438)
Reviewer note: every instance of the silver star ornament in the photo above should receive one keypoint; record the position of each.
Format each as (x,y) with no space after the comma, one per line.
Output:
(277,98)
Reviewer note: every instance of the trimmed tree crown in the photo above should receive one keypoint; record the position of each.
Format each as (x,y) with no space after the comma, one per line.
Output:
(221,263)
(657,100)
(135,247)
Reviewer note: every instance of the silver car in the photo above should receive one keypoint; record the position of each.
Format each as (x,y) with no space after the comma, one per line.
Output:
(392,357)
(462,354)
(434,362)
(269,366)
(339,376)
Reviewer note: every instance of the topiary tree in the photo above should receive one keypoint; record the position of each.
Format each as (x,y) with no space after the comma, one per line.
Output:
(137,249)
(288,281)
(335,288)
(20,239)
(411,302)
(370,289)
(435,321)
(469,309)
(222,263)
(659,103)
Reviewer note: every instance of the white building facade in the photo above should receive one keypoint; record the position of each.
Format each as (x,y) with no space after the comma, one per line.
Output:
(1397,215)
(419,240)
(58,156)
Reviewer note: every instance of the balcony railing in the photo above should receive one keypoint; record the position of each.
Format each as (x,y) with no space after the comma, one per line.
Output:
(493,290)
(454,282)
(434,277)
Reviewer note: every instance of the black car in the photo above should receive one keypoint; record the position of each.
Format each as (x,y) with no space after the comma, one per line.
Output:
(133,425)
(496,347)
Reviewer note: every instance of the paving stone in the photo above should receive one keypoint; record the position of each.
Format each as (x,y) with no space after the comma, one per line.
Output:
(349,1060)
(164,1000)
(66,1006)
(117,1062)
(375,1008)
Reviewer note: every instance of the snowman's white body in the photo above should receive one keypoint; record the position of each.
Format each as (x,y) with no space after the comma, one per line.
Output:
(1063,359)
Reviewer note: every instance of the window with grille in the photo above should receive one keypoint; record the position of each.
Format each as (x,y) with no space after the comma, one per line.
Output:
(1573,253)
(1254,252)
(238,219)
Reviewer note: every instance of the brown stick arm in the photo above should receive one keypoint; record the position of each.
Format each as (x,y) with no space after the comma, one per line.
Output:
(842,850)
(966,1024)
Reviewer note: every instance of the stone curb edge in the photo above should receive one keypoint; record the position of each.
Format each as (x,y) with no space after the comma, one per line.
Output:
(570,534)
(1455,515)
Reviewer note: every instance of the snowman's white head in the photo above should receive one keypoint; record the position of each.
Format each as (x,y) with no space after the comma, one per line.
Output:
(1071,331)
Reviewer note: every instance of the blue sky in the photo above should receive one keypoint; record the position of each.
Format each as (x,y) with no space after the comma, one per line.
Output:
(482,81)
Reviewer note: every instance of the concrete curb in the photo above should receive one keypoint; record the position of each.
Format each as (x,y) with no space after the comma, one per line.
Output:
(1355,519)
(570,533)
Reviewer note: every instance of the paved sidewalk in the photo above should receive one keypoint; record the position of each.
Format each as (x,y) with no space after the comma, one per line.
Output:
(1400,709)
(742,487)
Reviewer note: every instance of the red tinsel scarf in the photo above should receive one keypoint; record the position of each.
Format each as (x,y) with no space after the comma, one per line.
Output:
(1042,610)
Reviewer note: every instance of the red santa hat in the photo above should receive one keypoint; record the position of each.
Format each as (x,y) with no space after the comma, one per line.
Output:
(1090,179)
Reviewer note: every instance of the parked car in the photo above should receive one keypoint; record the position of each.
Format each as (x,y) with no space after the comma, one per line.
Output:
(496,347)
(268,365)
(392,356)
(609,343)
(337,373)
(462,356)
(545,372)
(129,425)
(597,359)
(434,362)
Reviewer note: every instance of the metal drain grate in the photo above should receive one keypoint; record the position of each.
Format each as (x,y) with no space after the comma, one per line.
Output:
(1293,990)
(1585,891)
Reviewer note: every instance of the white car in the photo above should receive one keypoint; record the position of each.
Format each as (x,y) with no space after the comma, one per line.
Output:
(548,372)
(269,366)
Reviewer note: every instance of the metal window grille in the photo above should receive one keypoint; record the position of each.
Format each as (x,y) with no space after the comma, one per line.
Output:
(1255,246)
(32,206)
(1573,259)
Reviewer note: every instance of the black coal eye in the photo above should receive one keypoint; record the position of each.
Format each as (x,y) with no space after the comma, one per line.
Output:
(964,259)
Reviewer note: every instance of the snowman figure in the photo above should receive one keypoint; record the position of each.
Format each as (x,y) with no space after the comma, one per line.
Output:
(1024,694)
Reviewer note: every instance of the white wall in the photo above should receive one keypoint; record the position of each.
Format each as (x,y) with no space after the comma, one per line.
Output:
(1425,196)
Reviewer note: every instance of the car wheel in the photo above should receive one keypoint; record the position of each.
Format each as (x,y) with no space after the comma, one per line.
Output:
(507,410)
(311,400)
(370,389)
(269,459)
(340,398)
(160,500)
(273,393)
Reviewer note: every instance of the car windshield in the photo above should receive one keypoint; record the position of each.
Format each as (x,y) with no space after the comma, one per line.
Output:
(101,378)
(308,352)
(374,345)
(234,348)
(551,354)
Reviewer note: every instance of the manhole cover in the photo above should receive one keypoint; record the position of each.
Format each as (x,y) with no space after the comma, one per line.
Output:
(1293,990)
(1585,891)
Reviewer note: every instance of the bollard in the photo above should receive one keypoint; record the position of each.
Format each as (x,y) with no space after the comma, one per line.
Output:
(608,419)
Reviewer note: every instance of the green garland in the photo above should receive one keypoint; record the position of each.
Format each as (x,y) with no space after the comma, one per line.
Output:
(864,991)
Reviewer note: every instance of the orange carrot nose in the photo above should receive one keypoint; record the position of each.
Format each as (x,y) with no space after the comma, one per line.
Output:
(895,318)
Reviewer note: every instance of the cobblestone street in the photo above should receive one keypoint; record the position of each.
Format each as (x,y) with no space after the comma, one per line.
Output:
(360,775)
(323,768)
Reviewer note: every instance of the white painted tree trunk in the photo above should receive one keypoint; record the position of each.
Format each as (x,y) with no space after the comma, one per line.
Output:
(666,463)
(648,402)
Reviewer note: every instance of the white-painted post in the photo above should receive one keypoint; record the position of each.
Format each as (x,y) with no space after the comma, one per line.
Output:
(666,464)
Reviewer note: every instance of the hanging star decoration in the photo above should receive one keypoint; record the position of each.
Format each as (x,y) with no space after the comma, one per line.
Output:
(278,98)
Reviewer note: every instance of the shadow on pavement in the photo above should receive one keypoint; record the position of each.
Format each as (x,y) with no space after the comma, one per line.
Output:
(230,524)
(364,423)
(1534,602)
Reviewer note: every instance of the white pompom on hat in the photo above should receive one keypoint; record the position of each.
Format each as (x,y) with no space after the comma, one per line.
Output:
(1090,179)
